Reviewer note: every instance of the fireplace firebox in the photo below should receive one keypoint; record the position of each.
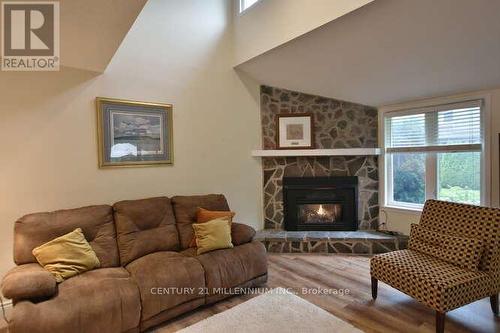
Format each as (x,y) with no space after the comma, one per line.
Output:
(320,203)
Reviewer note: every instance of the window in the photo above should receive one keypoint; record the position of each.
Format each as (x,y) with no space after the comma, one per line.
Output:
(435,153)
(245,4)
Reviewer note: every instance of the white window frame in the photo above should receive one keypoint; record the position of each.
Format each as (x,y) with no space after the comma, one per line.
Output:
(431,176)
(241,5)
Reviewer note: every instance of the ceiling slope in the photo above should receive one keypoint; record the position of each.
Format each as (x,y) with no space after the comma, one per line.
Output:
(270,23)
(391,51)
(92,30)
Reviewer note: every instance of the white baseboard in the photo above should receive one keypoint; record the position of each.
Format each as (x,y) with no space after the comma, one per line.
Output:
(7,305)
(7,302)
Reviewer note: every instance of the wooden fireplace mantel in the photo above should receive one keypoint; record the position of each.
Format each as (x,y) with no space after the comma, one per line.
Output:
(316,152)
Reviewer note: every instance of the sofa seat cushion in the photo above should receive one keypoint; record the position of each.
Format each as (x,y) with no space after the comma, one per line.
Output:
(229,268)
(101,300)
(165,280)
(434,282)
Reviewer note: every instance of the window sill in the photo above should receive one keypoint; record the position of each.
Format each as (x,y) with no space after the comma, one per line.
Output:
(400,209)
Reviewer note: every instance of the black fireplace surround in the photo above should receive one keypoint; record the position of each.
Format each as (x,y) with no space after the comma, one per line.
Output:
(320,203)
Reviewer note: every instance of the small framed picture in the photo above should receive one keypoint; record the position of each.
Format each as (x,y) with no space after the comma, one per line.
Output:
(133,133)
(294,131)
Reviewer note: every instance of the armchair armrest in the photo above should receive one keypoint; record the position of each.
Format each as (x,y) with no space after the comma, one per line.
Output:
(28,281)
(241,233)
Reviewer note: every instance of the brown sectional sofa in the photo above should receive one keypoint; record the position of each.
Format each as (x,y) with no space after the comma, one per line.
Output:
(143,249)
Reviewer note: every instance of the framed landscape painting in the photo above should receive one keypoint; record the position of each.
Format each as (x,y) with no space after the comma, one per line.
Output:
(133,133)
(294,131)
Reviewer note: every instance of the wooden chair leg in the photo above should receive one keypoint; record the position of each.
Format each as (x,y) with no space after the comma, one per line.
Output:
(440,317)
(374,288)
(494,304)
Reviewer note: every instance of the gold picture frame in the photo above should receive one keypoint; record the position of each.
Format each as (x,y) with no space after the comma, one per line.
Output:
(134,133)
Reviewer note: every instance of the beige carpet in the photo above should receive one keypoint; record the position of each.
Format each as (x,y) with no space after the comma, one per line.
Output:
(275,311)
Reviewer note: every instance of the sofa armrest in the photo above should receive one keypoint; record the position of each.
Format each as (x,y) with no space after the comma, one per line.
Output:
(28,281)
(241,233)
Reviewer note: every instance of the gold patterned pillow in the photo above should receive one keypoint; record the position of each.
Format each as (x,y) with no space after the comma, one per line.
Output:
(461,251)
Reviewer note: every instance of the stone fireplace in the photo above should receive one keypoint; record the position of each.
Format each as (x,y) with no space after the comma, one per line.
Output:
(320,203)
(337,124)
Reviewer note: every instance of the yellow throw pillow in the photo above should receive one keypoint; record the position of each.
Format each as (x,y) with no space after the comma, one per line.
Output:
(205,215)
(67,256)
(213,235)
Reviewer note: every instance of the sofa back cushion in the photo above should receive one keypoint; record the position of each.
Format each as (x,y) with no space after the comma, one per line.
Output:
(467,221)
(185,208)
(145,226)
(96,223)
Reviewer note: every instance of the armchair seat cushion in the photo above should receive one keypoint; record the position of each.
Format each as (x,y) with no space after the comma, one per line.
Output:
(434,282)
(101,300)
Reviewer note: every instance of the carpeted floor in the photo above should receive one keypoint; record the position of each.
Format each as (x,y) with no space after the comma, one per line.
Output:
(277,310)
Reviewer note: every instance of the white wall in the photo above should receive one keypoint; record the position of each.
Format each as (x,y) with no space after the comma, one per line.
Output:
(178,52)
(92,31)
(270,23)
(400,220)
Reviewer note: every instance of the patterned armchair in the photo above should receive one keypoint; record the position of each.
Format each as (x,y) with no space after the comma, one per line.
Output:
(453,259)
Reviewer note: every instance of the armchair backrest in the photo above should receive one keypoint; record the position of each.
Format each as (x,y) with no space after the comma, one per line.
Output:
(468,221)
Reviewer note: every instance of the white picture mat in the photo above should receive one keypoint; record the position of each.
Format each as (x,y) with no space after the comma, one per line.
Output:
(153,115)
(305,121)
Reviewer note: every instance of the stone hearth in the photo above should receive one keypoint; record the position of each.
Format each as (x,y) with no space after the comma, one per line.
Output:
(353,242)
(337,124)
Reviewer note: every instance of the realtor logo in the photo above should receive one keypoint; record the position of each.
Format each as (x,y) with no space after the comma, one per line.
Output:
(30,39)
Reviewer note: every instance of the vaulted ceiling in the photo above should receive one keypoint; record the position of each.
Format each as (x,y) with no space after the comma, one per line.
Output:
(92,30)
(391,51)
